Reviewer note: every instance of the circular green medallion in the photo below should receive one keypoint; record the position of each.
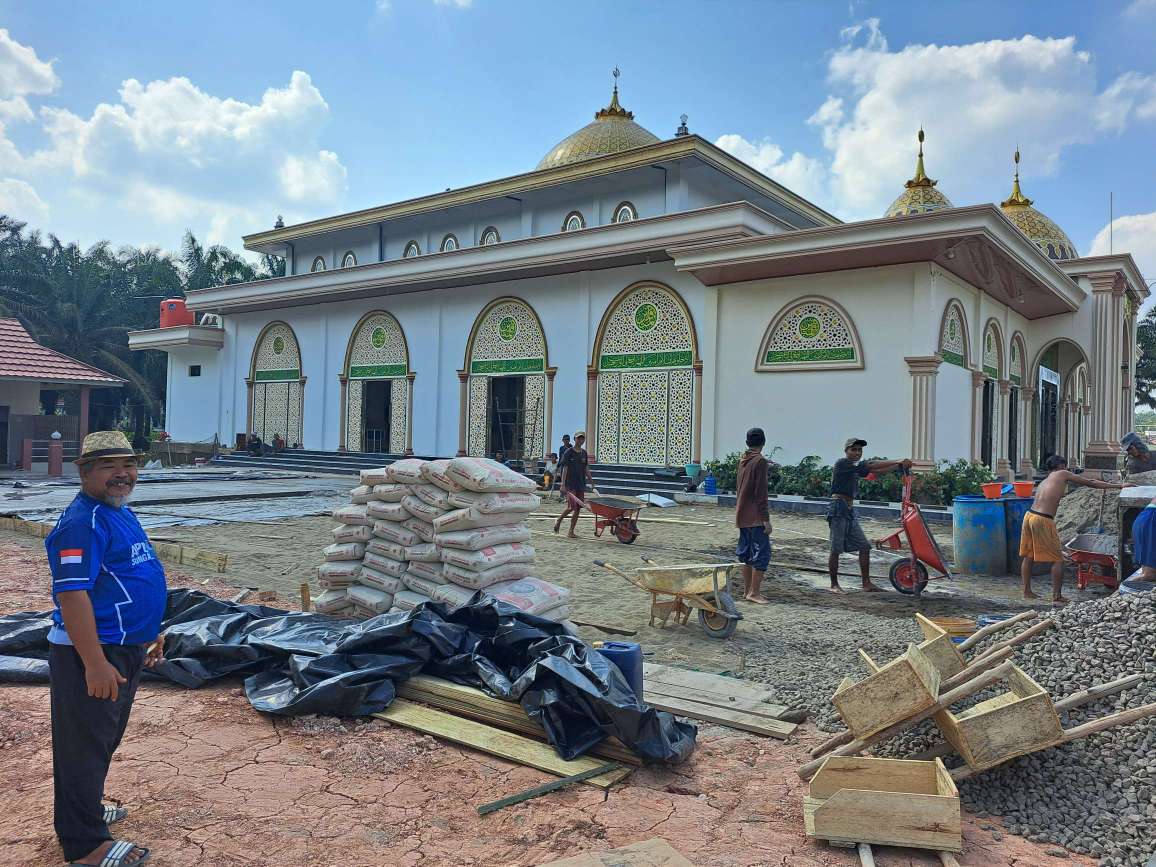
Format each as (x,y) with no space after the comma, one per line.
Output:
(809,327)
(508,328)
(278,345)
(377,338)
(646,317)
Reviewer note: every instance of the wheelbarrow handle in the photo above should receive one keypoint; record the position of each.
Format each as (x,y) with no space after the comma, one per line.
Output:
(616,571)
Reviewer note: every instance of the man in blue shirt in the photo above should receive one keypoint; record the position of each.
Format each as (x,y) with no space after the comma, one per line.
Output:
(1144,542)
(109,591)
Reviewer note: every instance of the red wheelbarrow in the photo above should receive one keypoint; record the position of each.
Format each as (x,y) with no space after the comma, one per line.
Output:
(617,514)
(909,574)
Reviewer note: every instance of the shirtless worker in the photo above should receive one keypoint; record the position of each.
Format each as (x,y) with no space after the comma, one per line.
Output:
(1040,541)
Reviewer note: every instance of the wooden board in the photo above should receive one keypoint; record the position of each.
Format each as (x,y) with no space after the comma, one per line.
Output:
(898,690)
(702,682)
(495,742)
(649,853)
(735,719)
(741,703)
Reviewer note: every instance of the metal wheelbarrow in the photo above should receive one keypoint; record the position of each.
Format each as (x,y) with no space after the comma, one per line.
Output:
(695,586)
(909,574)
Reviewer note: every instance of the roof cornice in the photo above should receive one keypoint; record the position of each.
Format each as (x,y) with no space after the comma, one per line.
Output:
(177,336)
(1120,262)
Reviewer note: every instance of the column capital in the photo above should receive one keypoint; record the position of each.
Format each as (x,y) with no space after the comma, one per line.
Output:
(551,372)
(978,378)
(1027,394)
(591,373)
(697,368)
(342,378)
(463,375)
(925,364)
(1105,282)
(1005,386)
(411,376)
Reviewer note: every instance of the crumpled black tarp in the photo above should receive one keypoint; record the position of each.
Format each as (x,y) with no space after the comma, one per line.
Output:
(296,663)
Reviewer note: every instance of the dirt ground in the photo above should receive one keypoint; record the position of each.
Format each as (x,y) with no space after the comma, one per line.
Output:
(209,781)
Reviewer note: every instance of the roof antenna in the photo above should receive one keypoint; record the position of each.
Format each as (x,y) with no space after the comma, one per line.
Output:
(1111,219)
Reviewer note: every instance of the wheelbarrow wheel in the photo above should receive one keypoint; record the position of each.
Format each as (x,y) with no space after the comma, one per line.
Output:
(906,579)
(626,531)
(714,625)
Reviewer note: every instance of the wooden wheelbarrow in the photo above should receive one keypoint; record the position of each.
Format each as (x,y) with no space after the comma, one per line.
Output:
(696,586)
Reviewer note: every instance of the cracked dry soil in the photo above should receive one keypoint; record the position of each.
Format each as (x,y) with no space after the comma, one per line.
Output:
(212,783)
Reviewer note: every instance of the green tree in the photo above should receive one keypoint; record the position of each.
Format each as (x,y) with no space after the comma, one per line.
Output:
(1146,360)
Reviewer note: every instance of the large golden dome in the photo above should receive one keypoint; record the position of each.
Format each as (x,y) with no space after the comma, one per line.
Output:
(612,131)
(920,195)
(1043,232)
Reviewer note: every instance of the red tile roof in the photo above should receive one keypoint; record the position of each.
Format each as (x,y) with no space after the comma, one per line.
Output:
(22,357)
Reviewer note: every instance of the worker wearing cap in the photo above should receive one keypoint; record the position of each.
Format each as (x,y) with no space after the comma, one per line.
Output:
(1140,457)
(574,467)
(847,536)
(110,594)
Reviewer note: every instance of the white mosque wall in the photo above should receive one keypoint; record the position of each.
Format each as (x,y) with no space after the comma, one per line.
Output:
(953,430)
(194,402)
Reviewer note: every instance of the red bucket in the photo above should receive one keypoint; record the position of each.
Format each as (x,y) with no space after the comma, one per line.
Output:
(992,490)
(1024,489)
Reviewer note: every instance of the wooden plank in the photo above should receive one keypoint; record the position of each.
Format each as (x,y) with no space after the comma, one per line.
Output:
(545,789)
(887,819)
(495,742)
(204,559)
(734,719)
(878,775)
(741,703)
(902,687)
(649,853)
(866,857)
(701,681)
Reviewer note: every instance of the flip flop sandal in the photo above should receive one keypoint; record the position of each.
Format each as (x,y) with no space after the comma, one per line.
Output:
(113,812)
(120,854)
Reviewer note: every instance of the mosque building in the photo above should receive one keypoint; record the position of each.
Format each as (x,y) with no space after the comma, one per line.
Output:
(664,296)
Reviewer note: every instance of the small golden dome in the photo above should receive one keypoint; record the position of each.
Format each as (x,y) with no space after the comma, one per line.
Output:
(919,195)
(1043,232)
(612,131)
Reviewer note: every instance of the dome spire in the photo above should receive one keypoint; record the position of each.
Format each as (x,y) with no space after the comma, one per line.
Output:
(919,195)
(921,179)
(1017,197)
(614,109)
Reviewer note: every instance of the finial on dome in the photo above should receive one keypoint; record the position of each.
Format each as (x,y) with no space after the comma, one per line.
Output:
(1017,197)
(614,109)
(921,179)
(682,127)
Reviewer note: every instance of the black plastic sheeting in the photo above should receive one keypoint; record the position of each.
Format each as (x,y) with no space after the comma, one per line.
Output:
(296,663)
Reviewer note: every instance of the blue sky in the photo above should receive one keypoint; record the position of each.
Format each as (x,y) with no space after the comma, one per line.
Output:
(131,121)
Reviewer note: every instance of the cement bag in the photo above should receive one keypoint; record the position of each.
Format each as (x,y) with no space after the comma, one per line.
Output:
(362,612)
(480,579)
(389,493)
(393,532)
(482,537)
(406,471)
(420,585)
(374,477)
(335,576)
(427,572)
(371,598)
(361,495)
(425,552)
(352,533)
(495,503)
(434,472)
(379,511)
(451,595)
(332,601)
(532,595)
(468,519)
(370,577)
(385,565)
(352,515)
(559,614)
(488,557)
(423,529)
(384,548)
(345,551)
(482,474)
(407,600)
(432,495)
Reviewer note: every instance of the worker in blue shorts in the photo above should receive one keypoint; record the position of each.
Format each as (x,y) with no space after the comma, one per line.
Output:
(1144,542)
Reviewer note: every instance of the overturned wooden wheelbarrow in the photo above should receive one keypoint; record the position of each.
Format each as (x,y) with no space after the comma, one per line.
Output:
(697,586)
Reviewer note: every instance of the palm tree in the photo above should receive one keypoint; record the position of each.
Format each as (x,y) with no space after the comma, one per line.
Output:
(215,266)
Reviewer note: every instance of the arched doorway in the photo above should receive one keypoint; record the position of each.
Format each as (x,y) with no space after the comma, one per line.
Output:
(376,385)
(276,386)
(1015,376)
(990,403)
(647,368)
(505,394)
(1055,364)
(1075,412)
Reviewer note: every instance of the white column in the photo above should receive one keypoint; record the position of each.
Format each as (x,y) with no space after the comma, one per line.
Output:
(1003,467)
(977,380)
(463,409)
(923,370)
(344,411)
(1104,446)
(548,424)
(1028,396)
(409,378)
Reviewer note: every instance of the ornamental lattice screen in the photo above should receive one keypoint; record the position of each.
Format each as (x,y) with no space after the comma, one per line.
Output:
(277,385)
(377,352)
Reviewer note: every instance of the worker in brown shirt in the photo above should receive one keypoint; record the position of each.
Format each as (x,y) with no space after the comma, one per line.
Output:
(752,515)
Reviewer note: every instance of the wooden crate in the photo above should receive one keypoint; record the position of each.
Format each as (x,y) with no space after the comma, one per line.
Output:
(1020,721)
(892,693)
(889,802)
(937,646)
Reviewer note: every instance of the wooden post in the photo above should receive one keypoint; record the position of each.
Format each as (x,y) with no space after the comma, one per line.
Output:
(979,635)
(306,600)
(84,394)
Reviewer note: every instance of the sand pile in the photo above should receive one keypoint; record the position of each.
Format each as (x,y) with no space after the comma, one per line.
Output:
(1079,511)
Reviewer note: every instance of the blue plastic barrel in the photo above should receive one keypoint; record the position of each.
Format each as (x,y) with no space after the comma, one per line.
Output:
(979,534)
(628,657)
(710,485)
(1014,510)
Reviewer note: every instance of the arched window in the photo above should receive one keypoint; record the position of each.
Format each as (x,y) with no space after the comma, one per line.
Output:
(318,264)
(449,243)
(810,333)
(625,213)
(953,335)
(411,249)
(348,260)
(1016,368)
(573,222)
(993,351)
(490,236)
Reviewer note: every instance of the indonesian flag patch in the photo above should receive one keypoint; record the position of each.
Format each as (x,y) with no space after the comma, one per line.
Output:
(71,555)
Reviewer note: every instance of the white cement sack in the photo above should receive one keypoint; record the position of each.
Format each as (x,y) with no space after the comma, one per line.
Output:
(370,577)
(433,496)
(406,471)
(389,492)
(332,601)
(468,519)
(393,532)
(355,515)
(423,529)
(425,552)
(488,557)
(419,508)
(495,503)
(427,572)
(420,585)
(480,579)
(352,533)
(374,477)
(335,583)
(559,614)
(386,565)
(363,612)
(361,495)
(345,551)
(378,511)
(452,595)
(532,595)
(339,569)
(482,474)
(434,472)
(384,548)
(482,537)
(407,600)
(369,597)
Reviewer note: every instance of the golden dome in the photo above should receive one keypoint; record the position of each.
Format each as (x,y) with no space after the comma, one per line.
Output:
(919,195)
(1045,234)
(612,131)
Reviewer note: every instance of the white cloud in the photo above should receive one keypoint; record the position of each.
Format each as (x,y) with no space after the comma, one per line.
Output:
(1135,234)
(1132,96)
(22,73)
(798,173)
(457,4)
(19,200)
(1140,7)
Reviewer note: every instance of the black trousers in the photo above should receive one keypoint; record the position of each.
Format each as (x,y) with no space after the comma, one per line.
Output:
(85,733)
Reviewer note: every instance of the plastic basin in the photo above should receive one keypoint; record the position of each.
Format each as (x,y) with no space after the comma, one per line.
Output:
(992,490)
(1024,489)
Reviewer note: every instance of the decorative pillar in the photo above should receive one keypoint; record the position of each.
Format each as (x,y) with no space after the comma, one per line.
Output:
(1104,446)
(409,378)
(978,378)
(1003,467)
(592,411)
(923,370)
(696,437)
(1027,468)
(1086,409)
(463,411)
(548,422)
(83,432)
(343,428)
(1065,437)
(248,407)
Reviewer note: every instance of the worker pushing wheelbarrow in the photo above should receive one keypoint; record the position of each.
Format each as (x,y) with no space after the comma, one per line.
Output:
(618,514)
(909,574)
